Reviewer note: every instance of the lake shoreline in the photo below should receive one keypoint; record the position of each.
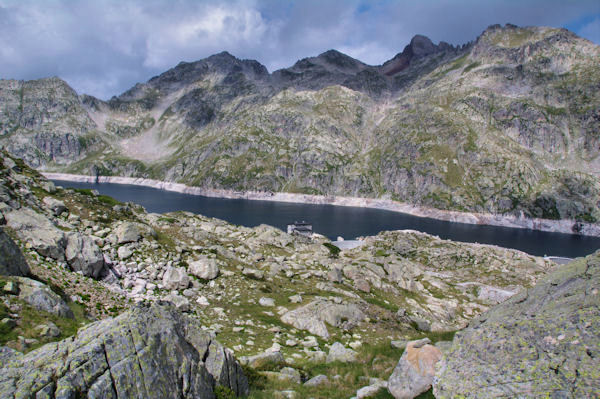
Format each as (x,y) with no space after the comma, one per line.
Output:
(554,226)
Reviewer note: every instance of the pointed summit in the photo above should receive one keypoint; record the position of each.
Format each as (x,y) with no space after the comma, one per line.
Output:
(420,46)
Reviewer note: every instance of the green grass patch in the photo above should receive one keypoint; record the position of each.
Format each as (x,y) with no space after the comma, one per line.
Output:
(84,191)
(105,199)
(471,67)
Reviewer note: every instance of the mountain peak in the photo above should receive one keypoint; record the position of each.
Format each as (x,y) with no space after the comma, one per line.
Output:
(419,46)
(422,45)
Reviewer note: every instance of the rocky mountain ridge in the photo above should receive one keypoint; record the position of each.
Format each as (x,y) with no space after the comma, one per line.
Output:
(508,124)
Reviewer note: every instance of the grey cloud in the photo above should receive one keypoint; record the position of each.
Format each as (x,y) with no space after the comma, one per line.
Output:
(103,47)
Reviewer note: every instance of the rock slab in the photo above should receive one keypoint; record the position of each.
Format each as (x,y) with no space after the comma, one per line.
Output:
(542,342)
(415,370)
(147,352)
(204,268)
(12,262)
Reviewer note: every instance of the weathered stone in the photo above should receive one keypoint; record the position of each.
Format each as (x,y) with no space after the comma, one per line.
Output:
(124,253)
(339,353)
(542,342)
(312,317)
(56,206)
(175,278)
(335,275)
(371,390)
(128,232)
(253,273)
(11,288)
(48,329)
(420,323)
(37,230)
(400,344)
(362,285)
(287,374)
(149,352)
(264,301)
(204,268)
(181,303)
(12,262)
(83,255)
(48,186)
(41,297)
(265,359)
(415,370)
(317,380)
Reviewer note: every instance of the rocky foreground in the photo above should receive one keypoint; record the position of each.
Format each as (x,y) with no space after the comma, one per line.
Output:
(147,352)
(304,318)
(543,342)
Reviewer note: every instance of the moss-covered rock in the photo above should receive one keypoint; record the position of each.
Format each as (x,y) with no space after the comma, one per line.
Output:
(543,342)
(150,352)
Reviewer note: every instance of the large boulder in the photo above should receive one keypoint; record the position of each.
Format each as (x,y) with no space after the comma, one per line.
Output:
(339,353)
(175,278)
(128,232)
(41,297)
(84,255)
(37,230)
(313,316)
(542,342)
(56,206)
(12,262)
(415,370)
(147,352)
(204,268)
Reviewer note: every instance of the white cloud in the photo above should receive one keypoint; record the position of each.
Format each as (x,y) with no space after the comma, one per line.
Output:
(210,28)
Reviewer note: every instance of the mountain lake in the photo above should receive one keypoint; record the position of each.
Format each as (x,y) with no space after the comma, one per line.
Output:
(347,222)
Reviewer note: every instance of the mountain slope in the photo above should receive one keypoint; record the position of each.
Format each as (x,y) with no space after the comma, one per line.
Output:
(507,124)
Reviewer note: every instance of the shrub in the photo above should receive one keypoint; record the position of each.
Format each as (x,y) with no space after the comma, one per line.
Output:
(333,250)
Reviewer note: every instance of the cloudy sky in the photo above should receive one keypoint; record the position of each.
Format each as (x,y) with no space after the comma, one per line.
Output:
(103,47)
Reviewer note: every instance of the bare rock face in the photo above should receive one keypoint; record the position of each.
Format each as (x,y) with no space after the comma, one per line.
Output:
(128,232)
(414,372)
(543,342)
(84,255)
(12,262)
(41,297)
(147,352)
(313,316)
(56,206)
(339,353)
(204,268)
(37,230)
(176,278)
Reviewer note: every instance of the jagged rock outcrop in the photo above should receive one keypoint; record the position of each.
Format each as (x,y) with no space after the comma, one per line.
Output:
(150,352)
(84,255)
(543,342)
(39,231)
(12,262)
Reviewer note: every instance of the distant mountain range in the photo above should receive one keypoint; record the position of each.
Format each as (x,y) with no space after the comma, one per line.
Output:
(509,124)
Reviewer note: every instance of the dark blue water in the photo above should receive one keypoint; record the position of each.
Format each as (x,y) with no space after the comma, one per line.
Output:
(348,222)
